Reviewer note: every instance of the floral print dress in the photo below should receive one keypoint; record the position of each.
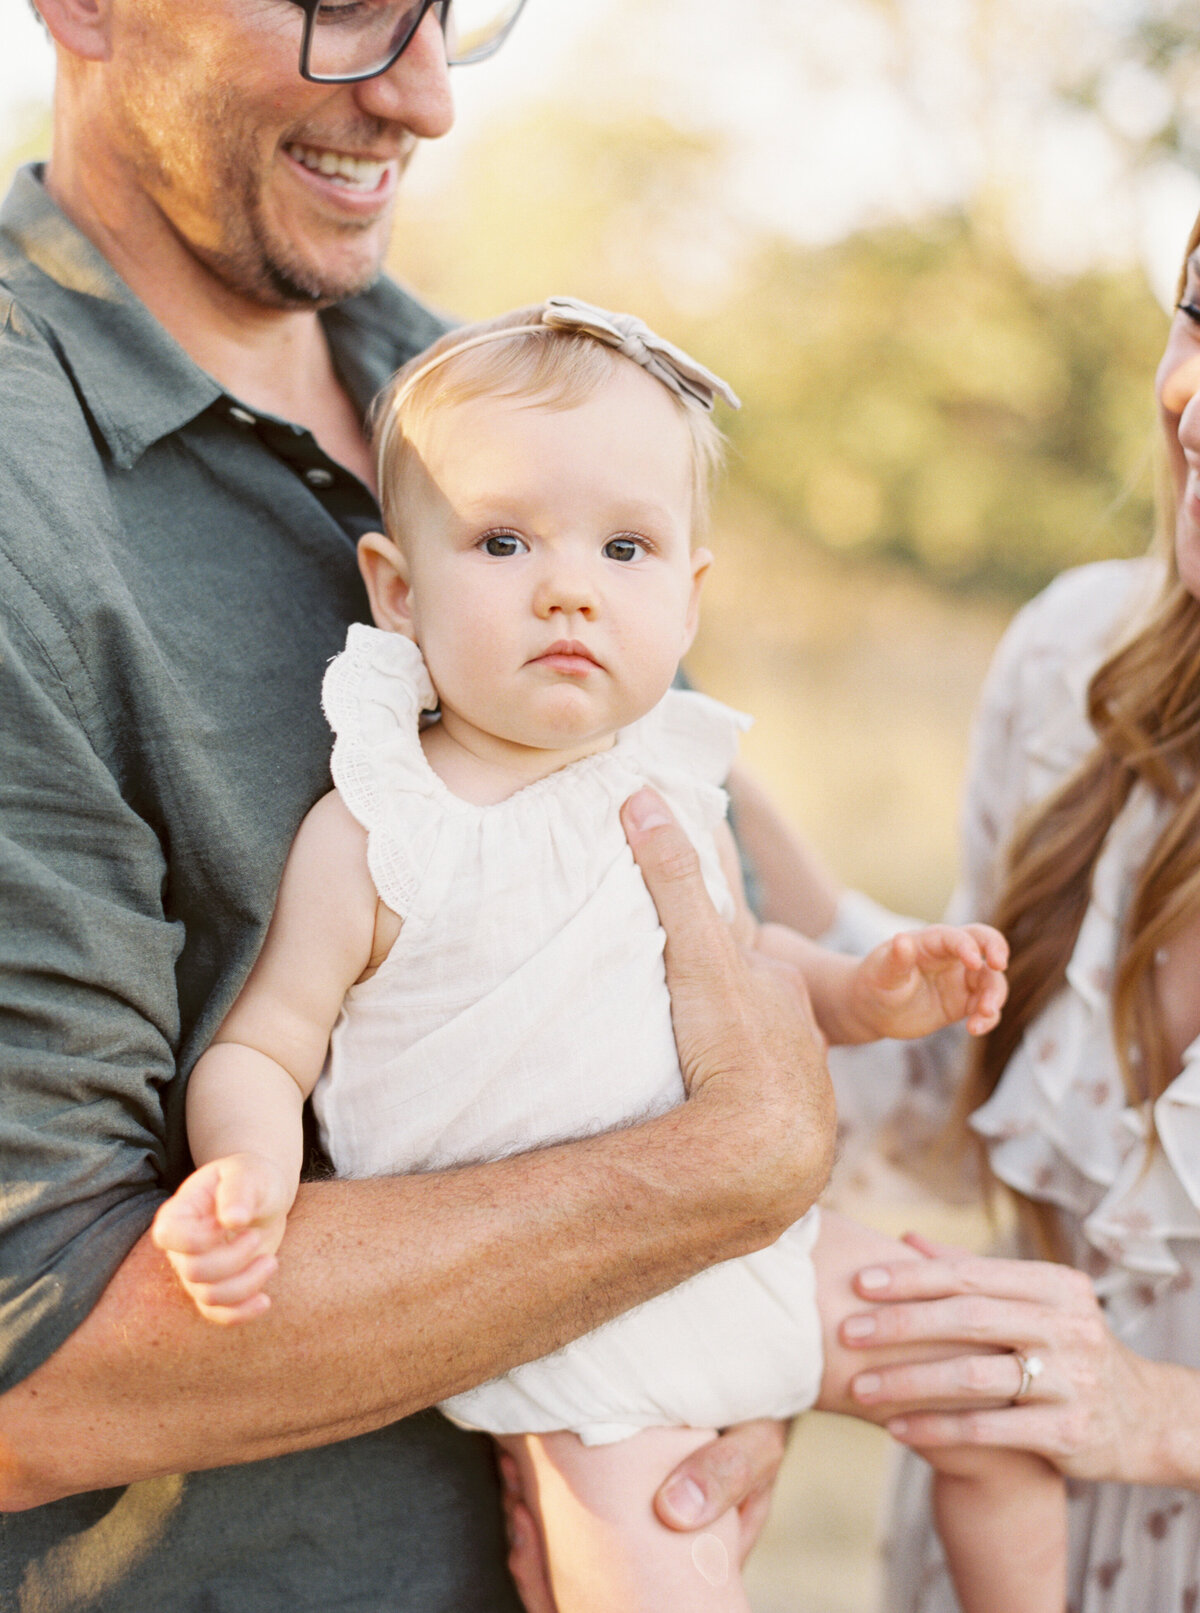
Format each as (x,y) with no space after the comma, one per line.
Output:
(1059,1127)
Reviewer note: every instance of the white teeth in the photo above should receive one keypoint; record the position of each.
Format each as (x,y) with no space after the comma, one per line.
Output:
(360,172)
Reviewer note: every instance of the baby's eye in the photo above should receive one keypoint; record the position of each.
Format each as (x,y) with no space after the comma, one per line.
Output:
(1189,309)
(501,545)
(624,549)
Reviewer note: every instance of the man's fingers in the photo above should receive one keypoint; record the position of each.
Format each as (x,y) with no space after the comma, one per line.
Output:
(671,869)
(721,1475)
(752,1515)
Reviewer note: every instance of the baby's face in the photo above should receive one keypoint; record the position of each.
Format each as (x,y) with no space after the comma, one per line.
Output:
(551,583)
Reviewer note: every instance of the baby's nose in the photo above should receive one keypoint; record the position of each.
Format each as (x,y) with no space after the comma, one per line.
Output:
(568,591)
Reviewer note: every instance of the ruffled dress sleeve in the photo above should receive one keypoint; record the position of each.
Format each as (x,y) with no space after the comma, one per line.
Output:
(1060,1128)
(374,694)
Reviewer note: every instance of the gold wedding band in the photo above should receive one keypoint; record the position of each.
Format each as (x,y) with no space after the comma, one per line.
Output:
(1032,1366)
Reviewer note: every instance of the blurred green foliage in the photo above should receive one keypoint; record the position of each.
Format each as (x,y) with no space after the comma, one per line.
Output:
(913,391)
(916,392)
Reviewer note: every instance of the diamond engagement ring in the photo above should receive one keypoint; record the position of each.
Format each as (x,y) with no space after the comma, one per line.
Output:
(1032,1366)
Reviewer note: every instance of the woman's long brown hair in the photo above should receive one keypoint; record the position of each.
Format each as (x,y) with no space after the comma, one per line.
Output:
(1144,705)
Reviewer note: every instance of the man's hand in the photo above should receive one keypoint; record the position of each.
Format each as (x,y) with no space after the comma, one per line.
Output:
(738,1470)
(220,1231)
(748,1044)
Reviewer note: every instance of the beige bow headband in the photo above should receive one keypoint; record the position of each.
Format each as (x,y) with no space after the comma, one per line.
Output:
(667,363)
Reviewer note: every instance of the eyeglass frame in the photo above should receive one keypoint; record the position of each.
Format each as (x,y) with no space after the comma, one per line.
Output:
(441,8)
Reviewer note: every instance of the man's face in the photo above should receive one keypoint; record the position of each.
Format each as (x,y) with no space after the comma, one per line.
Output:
(284,189)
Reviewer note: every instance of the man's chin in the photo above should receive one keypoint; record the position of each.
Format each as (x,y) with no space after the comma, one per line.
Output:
(292,286)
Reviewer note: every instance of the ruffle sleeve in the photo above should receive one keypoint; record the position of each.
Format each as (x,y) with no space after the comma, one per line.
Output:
(373,695)
(686,747)
(1059,1127)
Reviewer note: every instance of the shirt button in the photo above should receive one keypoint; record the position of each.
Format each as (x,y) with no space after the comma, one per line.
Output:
(316,477)
(242,416)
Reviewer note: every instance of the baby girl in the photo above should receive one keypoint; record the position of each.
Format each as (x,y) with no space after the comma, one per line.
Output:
(464,961)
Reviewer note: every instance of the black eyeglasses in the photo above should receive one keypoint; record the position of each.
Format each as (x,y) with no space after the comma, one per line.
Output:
(345,41)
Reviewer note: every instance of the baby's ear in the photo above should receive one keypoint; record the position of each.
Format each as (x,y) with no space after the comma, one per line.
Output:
(384,569)
(701,561)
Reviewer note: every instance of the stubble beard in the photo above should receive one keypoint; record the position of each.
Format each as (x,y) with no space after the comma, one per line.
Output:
(262,264)
(224,193)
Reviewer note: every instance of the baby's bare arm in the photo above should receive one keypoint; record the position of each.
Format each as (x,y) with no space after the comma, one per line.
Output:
(909,986)
(246,1095)
(367,1320)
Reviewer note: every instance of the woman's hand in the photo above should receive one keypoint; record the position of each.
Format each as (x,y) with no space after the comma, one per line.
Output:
(1096,1410)
(737,1470)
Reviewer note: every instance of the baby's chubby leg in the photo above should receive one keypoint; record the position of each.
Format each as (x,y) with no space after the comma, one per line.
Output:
(1001,1514)
(605,1549)
(1002,1520)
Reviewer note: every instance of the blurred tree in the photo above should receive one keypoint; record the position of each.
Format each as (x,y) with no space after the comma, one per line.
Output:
(918,392)
(913,391)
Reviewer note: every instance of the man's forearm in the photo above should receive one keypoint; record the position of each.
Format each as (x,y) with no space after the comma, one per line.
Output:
(396,1293)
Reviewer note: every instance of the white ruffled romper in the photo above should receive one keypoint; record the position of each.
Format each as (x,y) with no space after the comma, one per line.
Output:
(524,1002)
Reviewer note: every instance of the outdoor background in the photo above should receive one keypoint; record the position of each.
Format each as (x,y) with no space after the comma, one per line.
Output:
(930,242)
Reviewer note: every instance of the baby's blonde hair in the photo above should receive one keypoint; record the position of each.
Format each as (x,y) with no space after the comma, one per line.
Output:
(559,368)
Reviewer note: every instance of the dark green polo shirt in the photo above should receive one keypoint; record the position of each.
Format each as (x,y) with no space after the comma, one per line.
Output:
(175,572)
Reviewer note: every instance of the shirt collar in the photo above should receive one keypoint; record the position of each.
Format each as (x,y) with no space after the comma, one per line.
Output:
(135,380)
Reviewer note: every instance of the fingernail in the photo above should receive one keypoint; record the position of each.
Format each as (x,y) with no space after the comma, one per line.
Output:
(685,1499)
(898,1426)
(874,1277)
(858,1327)
(866,1384)
(646,810)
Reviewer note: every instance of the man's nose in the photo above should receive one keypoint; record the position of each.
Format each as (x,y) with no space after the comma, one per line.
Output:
(1180,385)
(415,91)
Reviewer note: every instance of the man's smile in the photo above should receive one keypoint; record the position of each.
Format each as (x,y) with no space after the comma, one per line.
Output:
(364,173)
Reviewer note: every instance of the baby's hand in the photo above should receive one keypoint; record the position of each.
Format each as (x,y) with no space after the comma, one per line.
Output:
(220,1231)
(918,982)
